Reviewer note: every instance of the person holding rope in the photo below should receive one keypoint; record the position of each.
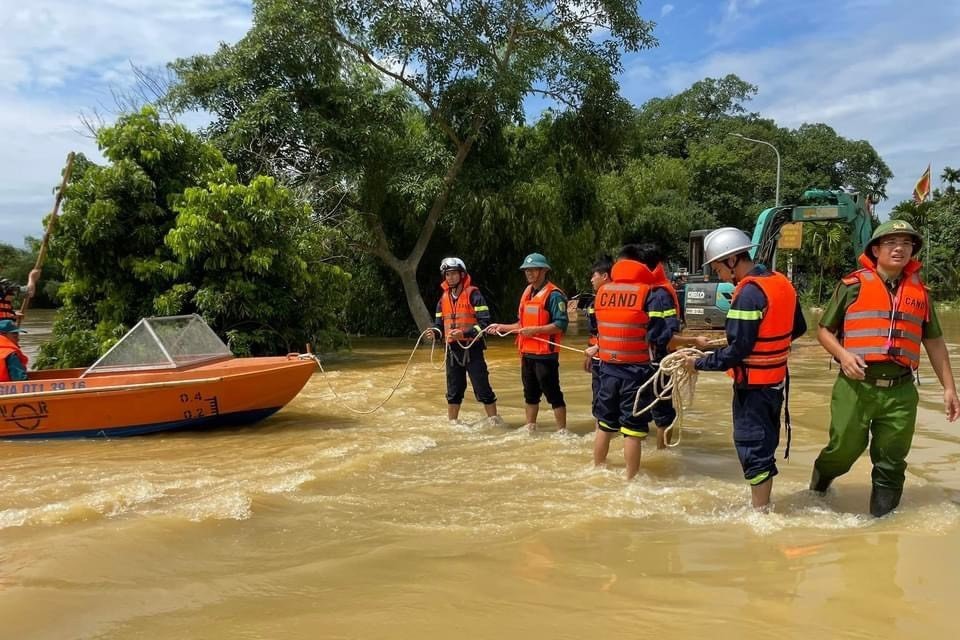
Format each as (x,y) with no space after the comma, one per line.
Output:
(9,289)
(764,318)
(874,326)
(664,333)
(631,312)
(462,315)
(542,322)
(599,275)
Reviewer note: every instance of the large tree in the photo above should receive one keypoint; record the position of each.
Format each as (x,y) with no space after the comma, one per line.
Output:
(467,67)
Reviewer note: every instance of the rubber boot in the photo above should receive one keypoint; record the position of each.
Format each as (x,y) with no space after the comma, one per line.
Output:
(819,483)
(883,500)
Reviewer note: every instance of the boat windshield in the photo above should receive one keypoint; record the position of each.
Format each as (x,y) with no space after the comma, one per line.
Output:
(171,342)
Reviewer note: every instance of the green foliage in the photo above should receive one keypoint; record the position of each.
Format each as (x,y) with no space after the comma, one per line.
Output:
(938,220)
(165,229)
(15,265)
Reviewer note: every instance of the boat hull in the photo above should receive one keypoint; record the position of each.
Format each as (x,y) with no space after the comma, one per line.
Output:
(233,392)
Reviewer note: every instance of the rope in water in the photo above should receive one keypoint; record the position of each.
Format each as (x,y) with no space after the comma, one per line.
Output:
(403,374)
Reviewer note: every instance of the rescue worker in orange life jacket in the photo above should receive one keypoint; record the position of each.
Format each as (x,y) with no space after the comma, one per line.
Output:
(599,275)
(542,322)
(623,317)
(462,315)
(874,326)
(764,318)
(13,362)
(8,290)
(664,336)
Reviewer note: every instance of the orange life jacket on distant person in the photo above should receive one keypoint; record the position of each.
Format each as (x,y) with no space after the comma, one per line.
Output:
(661,281)
(7,311)
(459,313)
(766,365)
(7,347)
(533,312)
(621,318)
(882,327)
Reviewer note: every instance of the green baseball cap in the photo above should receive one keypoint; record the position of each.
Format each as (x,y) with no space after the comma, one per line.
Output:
(896,228)
(535,261)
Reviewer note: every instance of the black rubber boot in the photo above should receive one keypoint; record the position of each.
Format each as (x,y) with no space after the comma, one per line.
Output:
(884,500)
(819,483)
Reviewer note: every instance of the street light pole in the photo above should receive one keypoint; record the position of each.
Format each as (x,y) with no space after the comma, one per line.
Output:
(776,197)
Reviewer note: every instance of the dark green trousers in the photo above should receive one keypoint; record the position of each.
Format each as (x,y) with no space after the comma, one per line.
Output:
(885,416)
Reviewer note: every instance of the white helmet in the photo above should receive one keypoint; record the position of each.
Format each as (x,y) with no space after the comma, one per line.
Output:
(448,264)
(724,243)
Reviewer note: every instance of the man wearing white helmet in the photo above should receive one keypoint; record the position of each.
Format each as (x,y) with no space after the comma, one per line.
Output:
(764,318)
(462,315)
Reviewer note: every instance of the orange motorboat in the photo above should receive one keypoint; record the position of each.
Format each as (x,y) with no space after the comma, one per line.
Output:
(167,373)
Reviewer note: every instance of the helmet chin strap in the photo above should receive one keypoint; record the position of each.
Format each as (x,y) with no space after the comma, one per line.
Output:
(733,267)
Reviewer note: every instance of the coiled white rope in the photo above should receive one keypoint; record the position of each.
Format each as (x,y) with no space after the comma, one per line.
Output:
(672,382)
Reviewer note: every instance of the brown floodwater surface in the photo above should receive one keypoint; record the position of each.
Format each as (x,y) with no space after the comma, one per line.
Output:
(322,523)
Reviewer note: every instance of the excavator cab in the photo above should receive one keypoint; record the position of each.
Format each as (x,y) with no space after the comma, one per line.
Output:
(705,299)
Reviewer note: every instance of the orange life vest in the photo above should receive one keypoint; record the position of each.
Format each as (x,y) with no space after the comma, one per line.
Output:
(766,364)
(882,327)
(533,312)
(661,281)
(621,318)
(459,313)
(6,310)
(8,346)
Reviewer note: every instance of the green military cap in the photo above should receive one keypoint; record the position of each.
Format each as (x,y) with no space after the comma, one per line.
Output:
(535,261)
(896,228)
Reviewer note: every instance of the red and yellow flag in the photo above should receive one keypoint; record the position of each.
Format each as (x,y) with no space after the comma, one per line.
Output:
(922,189)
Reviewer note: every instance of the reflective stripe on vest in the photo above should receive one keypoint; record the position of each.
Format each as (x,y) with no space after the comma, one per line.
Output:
(882,327)
(459,313)
(533,312)
(766,364)
(622,322)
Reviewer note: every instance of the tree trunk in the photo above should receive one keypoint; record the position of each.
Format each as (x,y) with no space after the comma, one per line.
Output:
(407,268)
(418,308)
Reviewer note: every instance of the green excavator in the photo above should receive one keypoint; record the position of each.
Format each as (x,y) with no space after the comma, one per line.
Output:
(706,300)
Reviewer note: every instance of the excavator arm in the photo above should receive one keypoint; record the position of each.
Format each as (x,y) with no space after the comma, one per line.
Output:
(817,205)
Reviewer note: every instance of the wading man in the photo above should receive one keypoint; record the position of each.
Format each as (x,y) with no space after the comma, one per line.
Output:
(874,326)
(541,325)
(462,315)
(764,318)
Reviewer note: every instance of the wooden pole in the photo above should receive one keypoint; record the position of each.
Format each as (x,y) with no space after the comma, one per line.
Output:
(42,254)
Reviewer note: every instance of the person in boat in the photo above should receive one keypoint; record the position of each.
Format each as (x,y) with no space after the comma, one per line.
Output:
(874,325)
(13,362)
(541,325)
(764,319)
(9,289)
(462,315)
(599,275)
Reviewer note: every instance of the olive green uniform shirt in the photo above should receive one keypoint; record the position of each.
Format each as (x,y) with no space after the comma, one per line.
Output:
(845,295)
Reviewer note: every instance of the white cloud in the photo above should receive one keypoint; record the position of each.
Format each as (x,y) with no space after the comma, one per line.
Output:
(665,10)
(894,87)
(60,58)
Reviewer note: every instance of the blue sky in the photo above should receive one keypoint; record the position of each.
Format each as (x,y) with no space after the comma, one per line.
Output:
(885,71)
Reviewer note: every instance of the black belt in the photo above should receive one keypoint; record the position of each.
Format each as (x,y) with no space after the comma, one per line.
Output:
(889,382)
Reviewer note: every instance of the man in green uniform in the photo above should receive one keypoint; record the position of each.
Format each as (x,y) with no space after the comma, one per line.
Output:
(873,326)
